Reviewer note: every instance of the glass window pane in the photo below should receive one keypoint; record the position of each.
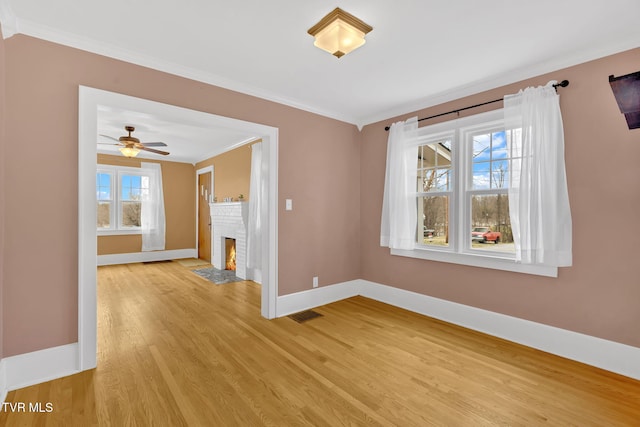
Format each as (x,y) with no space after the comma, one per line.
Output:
(499,174)
(490,224)
(131,214)
(434,166)
(443,179)
(134,194)
(481,176)
(481,148)
(426,179)
(104,214)
(433,220)
(104,180)
(130,187)
(490,161)
(499,146)
(103,186)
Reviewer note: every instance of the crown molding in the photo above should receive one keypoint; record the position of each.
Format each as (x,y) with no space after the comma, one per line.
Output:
(43,32)
(8,20)
(513,76)
(12,25)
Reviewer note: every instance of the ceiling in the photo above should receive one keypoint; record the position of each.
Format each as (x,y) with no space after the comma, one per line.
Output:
(420,52)
(188,143)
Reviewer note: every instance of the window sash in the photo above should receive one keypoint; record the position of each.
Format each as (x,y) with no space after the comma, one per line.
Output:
(118,202)
(461,180)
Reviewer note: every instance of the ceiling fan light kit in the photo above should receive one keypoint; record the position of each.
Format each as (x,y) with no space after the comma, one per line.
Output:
(339,32)
(130,146)
(129,151)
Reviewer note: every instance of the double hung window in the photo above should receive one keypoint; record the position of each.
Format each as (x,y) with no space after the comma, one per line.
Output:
(119,194)
(463,171)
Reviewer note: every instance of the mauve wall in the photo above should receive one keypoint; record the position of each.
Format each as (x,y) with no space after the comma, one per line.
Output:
(600,294)
(318,167)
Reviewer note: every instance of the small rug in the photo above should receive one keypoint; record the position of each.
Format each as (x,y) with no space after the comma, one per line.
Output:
(192,262)
(217,276)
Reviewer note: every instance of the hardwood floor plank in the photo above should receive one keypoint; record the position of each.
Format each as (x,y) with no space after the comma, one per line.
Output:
(177,350)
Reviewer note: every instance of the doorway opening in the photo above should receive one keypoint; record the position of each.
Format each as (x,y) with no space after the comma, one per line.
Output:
(90,100)
(204,189)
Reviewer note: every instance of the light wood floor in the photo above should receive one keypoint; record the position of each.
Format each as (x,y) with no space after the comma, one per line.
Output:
(176,350)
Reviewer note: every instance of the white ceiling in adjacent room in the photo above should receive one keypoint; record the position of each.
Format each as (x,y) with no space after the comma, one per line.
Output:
(185,142)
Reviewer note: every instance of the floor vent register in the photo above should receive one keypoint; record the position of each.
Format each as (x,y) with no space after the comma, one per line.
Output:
(304,316)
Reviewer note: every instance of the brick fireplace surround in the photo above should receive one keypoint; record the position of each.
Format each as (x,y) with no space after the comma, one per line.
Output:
(229,220)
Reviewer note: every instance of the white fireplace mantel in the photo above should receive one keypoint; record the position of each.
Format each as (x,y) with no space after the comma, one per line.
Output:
(229,220)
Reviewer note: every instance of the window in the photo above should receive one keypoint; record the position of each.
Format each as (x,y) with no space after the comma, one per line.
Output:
(119,193)
(104,185)
(462,195)
(487,195)
(435,190)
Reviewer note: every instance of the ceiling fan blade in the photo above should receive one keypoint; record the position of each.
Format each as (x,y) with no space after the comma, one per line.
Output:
(154,144)
(151,150)
(106,143)
(110,137)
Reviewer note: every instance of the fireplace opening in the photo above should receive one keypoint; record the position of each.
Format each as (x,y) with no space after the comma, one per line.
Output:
(230,254)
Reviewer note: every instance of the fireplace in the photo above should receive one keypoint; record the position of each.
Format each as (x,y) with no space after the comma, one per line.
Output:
(230,254)
(229,224)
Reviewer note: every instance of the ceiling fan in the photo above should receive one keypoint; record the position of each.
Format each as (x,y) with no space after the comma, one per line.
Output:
(131,146)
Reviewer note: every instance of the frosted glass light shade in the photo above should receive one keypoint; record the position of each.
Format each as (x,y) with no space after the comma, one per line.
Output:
(129,151)
(339,33)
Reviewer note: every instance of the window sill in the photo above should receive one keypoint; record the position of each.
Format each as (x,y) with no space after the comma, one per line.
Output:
(477,260)
(118,232)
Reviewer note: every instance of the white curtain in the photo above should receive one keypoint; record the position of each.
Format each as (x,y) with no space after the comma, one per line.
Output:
(538,196)
(152,214)
(399,205)
(254,234)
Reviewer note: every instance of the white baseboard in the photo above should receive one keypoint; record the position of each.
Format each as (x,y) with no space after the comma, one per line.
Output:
(300,301)
(132,257)
(609,355)
(40,366)
(3,381)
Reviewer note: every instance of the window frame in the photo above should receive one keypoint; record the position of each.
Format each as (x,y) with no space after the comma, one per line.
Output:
(460,250)
(111,200)
(116,173)
(423,139)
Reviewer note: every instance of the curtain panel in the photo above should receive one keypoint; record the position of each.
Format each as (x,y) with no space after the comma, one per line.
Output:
(538,196)
(255,227)
(152,216)
(399,209)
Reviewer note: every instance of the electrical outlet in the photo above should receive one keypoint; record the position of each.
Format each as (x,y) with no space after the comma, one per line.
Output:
(315,281)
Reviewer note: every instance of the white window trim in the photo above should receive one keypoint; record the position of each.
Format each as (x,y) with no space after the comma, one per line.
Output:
(461,252)
(116,174)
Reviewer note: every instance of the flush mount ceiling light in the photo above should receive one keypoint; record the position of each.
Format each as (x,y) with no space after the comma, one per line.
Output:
(339,32)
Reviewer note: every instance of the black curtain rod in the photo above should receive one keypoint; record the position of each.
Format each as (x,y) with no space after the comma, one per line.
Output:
(563,83)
